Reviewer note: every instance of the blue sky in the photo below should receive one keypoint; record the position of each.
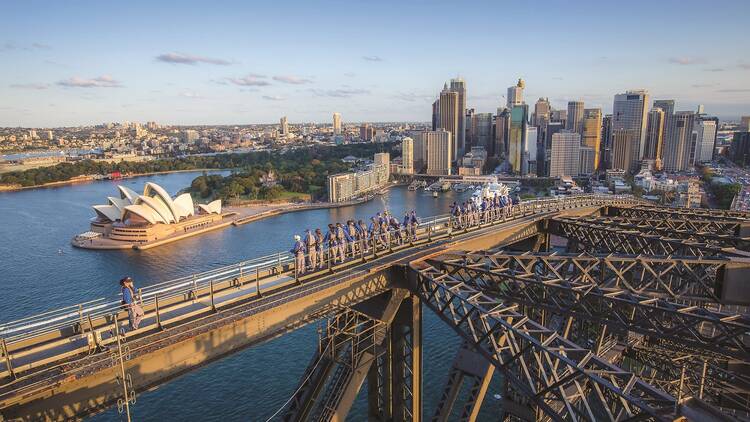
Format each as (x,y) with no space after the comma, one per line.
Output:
(65,63)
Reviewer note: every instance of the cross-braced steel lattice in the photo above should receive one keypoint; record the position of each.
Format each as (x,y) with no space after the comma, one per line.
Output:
(564,380)
(644,211)
(585,287)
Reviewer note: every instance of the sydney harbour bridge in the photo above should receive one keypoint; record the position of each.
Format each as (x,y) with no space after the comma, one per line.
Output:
(583,308)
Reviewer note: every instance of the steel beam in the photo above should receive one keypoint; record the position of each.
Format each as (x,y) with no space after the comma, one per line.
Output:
(575,286)
(467,366)
(643,211)
(600,238)
(565,381)
(406,367)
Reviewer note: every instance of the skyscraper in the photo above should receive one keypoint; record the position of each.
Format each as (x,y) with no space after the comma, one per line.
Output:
(592,136)
(435,114)
(541,112)
(529,165)
(439,151)
(667,106)
(630,113)
(517,137)
(481,131)
(502,126)
(449,115)
(284,127)
(678,141)
(337,123)
(575,117)
(407,155)
(565,154)
(654,136)
(543,164)
(469,129)
(705,129)
(366,132)
(623,141)
(745,124)
(515,94)
(560,116)
(605,152)
(458,85)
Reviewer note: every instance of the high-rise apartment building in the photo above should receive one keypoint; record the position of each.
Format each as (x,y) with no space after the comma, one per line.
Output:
(458,85)
(439,151)
(337,123)
(420,153)
(565,154)
(679,141)
(515,94)
(574,121)
(630,112)
(655,137)
(592,135)
(623,141)
(284,127)
(541,112)
(449,115)
(407,155)
(543,163)
(517,137)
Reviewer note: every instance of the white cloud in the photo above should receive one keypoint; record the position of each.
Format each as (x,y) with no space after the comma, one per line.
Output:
(182,58)
(104,81)
(687,60)
(294,80)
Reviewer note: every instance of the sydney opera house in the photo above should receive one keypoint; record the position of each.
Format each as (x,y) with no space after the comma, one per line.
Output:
(133,218)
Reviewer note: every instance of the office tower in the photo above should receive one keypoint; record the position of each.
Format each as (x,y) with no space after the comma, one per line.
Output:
(543,164)
(420,153)
(337,123)
(605,152)
(745,124)
(701,109)
(515,94)
(469,139)
(705,129)
(284,127)
(458,85)
(666,105)
(435,114)
(366,132)
(565,154)
(530,151)
(654,137)
(407,155)
(592,135)
(623,141)
(502,126)
(517,137)
(481,131)
(541,112)
(559,116)
(678,141)
(630,112)
(449,115)
(739,149)
(588,155)
(439,151)
(574,121)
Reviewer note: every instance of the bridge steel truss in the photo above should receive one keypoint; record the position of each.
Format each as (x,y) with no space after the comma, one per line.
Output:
(563,380)
(655,212)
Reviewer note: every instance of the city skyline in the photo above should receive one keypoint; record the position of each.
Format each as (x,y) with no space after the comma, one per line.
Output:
(241,64)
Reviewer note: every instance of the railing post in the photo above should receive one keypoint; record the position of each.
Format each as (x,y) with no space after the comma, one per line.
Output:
(6,353)
(257,280)
(240,265)
(296,273)
(195,288)
(211,292)
(80,316)
(330,267)
(158,313)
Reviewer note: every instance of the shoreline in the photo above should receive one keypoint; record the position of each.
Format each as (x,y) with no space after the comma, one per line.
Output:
(14,188)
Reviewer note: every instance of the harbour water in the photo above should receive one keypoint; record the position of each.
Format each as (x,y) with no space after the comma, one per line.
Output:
(41,270)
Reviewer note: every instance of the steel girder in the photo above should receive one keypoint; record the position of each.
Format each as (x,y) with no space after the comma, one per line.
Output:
(576,285)
(468,367)
(565,381)
(600,238)
(720,234)
(643,211)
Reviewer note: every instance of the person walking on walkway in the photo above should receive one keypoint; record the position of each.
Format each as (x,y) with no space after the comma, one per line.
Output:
(298,250)
(312,251)
(363,235)
(135,312)
(331,240)
(413,224)
(319,246)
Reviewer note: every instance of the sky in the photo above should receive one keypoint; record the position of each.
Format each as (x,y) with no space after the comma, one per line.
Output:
(70,63)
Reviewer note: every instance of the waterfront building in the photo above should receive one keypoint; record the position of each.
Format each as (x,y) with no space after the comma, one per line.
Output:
(591,136)
(341,187)
(136,218)
(337,123)
(630,112)
(407,155)
(679,141)
(383,159)
(565,154)
(439,151)
(458,85)
(574,121)
(449,115)
(517,137)
(654,137)
(348,186)
(515,94)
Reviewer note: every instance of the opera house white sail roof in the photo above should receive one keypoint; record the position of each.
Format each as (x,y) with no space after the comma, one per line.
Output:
(152,207)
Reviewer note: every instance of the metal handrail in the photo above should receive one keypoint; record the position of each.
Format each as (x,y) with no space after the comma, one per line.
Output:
(50,321)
